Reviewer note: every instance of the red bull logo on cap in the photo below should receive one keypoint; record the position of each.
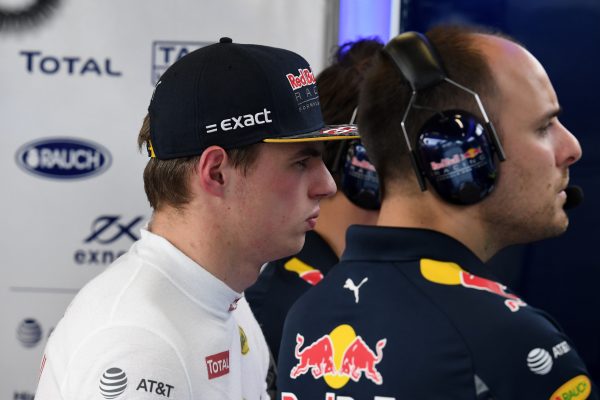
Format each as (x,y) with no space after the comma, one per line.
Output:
(338,357)
(448,273)
(304,78)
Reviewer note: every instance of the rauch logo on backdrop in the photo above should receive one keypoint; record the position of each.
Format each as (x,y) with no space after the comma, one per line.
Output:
(165,53)
(63,158)
(106,230)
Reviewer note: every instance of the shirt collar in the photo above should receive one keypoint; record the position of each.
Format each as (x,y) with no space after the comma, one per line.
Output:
(379,243)
(191,278)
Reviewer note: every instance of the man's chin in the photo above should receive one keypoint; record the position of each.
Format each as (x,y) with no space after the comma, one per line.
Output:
(291,249)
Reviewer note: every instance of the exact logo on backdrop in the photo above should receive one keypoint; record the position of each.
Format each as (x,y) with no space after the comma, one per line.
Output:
(165,53)
(108,231)
(63,158)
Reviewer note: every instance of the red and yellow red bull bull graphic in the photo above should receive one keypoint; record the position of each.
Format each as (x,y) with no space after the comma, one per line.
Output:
(338,357)
(305,271)
(449,273)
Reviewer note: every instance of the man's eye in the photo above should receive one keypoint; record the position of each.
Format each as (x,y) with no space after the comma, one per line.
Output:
(544,129)
(302,163)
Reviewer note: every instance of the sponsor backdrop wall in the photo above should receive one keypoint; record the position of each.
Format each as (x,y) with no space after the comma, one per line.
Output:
(76,78)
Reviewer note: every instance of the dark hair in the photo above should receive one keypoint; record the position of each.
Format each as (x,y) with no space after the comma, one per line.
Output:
(339,86)
(385,95)
(165,181)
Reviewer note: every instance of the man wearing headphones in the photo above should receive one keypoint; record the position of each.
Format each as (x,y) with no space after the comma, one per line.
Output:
(235,178)
(356,202)
(412,311)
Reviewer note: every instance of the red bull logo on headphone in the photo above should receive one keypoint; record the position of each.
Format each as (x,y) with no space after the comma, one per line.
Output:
(455,159)
(448,273)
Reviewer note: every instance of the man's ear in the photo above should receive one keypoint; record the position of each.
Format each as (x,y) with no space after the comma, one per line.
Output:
(211,170)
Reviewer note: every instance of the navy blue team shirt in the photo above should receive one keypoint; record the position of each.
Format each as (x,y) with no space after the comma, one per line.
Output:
(413,314)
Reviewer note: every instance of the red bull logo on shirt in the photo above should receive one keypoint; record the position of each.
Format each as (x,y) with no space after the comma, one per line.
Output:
(448,273)
(338,357)
(305,271)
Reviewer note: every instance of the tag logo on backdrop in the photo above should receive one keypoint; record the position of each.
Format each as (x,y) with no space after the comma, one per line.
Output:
(63,158)
(165,53)
(107,230)
(37,62)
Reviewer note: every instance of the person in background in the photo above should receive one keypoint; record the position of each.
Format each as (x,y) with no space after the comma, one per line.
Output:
(412,311)
(235,178)
(356,201)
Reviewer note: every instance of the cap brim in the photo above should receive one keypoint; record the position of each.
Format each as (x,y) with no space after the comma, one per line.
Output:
(330,132)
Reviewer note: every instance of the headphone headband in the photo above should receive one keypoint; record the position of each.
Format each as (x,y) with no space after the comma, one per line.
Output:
(416,58)
(451,168)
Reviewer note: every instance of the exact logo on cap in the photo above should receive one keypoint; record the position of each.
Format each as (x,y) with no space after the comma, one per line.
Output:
(242,121)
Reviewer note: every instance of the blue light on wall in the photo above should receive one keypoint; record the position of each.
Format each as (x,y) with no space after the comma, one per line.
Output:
(360,19)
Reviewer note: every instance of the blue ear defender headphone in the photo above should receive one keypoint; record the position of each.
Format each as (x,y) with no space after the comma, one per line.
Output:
(455,149)
(359,181)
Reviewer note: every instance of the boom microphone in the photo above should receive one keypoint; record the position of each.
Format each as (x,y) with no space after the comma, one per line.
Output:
(574,197)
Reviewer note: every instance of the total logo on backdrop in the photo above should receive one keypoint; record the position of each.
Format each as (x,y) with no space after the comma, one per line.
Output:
(63,158)
(165,53)
(108,231)
(37,62)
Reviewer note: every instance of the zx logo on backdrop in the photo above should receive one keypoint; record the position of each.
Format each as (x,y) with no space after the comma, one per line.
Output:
(108,228)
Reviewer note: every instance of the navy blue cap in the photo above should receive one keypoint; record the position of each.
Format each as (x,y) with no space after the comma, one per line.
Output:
(233,95)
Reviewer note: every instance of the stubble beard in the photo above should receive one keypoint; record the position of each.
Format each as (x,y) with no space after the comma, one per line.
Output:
(517,226)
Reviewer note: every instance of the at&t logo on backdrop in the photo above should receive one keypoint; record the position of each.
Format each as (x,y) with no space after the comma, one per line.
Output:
(29,332)
(63,158)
